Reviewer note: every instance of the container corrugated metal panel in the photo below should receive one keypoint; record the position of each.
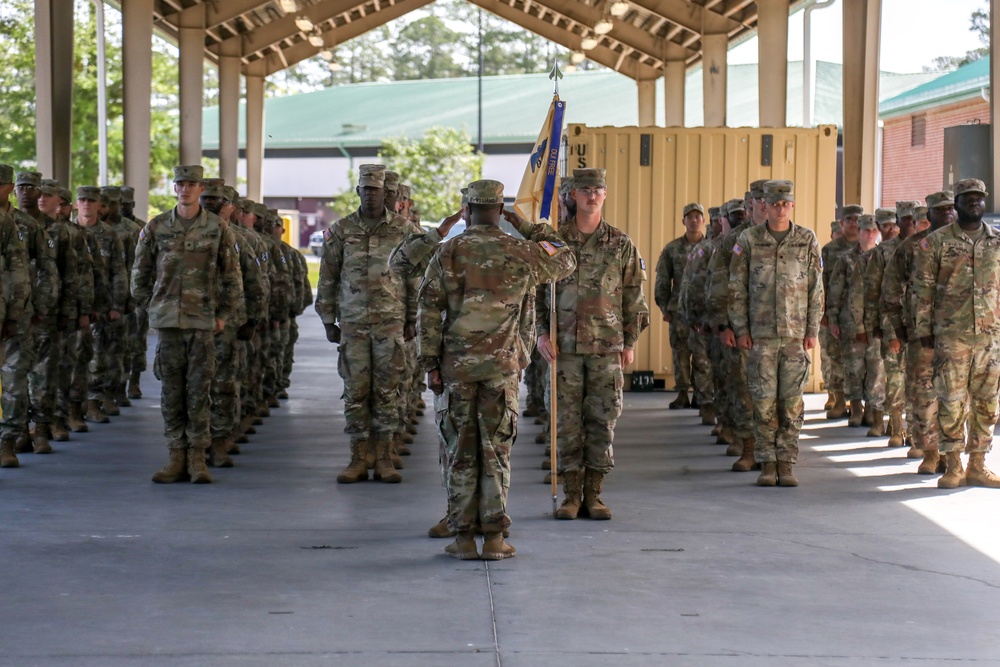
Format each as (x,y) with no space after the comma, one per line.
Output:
(707,165)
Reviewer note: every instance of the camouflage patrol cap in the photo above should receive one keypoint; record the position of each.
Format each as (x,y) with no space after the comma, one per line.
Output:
(66,195)
(50,187)
(962,187)
(128,194)
(779,190)
(260,211)
(246,205)
(757,188)
(853,209)
(906,207)
(565,185)
(231,195)
(391,181)
(716,212)
(371,175)
(404,191)
(32,178)
(486,192)
(694,206)
(735,205)
(6,174)
(214,187)
(112,192)
(920,213)
(943,198)
(836,227)
(885,215)
(867,221)
(465,196)
(590,178)
(189,172)
(88,192)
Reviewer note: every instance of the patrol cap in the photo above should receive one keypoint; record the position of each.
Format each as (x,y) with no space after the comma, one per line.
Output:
(920,213)
(486,192)
(371,175)
(757,188)
(404,191)
(391,181)
(775,191)
(590,178)
(694,206)
(66,195)
(88,192)
(885,215)
(260,210)
(735,205)
(867,221)
(906,207)
(50,187)
(189,172)
(128,194)
(103,198)
(962,187)
(465,196)
(853,209)
(32,178)
(231,195)
(214,187)
(112,192)
(246,205)
(943,198)
(566,184)
(715,212)
(6,174)
(836,227)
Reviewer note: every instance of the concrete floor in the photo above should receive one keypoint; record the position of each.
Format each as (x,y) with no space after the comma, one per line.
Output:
(275,564)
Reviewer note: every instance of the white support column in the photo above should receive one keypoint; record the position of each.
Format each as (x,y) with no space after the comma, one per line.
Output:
(772,46)
(54,89)
(714,63)
(137,74)
(191,41)
(994,187)
(862,19)
(255,130)
(674,80)
(647,103)
(229,110)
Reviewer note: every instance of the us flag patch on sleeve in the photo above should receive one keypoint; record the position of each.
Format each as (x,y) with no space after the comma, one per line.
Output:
(642,264)
(327,234)
(924,244)
(548,248)
(142,234)
(737,250)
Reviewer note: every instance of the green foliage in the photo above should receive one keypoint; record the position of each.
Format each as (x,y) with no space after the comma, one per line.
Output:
(979,23)
(426,49)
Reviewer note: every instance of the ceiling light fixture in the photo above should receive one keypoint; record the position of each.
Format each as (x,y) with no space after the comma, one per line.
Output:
(326,54)
(577,57)
(334,66)
(603,26)
(288,6)
(569,69)
(303,23)
(588,43)
(316,39)
(618,8)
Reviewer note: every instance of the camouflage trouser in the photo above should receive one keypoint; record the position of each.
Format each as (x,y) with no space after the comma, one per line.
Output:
(832,361)
(536,378)
(778,370)
(372,360)
(922,409)
(440,408)
(18,358)
(44,375)
(405,406)
(64,379)
(679,334)
(895,378)
(117,341)
(479,425)
(99,369)
(84,353)
(137,350)
(279,350)
(741,403)
(268,371)
(701,367)
(226,384)
(720,380)
(589,391)
(865,374)
(264,361)
(184,365)
(288,357)
(966,377)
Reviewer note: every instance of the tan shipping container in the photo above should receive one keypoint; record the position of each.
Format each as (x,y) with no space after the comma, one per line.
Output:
(654,171)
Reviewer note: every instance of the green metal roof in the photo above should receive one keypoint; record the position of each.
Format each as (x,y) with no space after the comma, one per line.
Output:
(963,83)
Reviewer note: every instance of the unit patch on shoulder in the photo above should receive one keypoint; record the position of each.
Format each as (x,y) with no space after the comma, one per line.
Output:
(924,245)
(642,263)
(548,247)
(142,234)
(737,250)
(52,244)
(327,234)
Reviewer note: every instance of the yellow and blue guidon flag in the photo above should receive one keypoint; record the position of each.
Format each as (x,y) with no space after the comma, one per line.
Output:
(537,198)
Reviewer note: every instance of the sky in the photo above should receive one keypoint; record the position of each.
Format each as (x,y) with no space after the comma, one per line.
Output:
(905,23)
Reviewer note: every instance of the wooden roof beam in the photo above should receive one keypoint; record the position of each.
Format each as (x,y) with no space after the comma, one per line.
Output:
(688,15)
(277,31)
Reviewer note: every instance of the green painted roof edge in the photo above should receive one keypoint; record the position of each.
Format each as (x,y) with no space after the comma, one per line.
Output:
(950,87)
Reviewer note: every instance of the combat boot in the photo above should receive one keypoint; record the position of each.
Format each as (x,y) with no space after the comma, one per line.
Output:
(385,471)
(716,431)
(399,444)
(8,459)
(857,414)
(839,409)
(531,410)
(75,418)
(954,475)
(175,470)
(95,414)
(110,408)
(548,478)
(896,429)
(282,395)
(196,467)
(418,412)
(877,429)
(542,437)
(592,482)
(357,469)
(573,495)
(133,391)
(831,400)
(464,547)
(272,401)
(411,428)
(407,440)
(40,441)
(746,461)
(914,453)
(768,474)
(735,447)
(219,453)
(494,547)
(122,398)
(866,416)
(394,457)
(929,465)
(978,474)
(23,443)
(59,432)
(441,529)
(726,437)
(708,414)
(681,401)
(785,475)
(262,411)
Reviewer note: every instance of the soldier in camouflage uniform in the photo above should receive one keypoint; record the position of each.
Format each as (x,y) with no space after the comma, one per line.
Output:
(303,299)
(138,326)
(696,310)
(376,311)
(833,372)
(847,313)
(669,271)
(472,349)
(281,296)
(122,330)
(187,276)
(600,312)
(776,304)
(956,290)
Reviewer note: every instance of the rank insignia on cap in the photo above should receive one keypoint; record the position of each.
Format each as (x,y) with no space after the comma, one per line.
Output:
(548,248)
(924,244)
(737,250)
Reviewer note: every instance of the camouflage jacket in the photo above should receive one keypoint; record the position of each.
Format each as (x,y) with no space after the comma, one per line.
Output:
(830,254)
(84,268)
(255,244)
(776,289)
(669,271)
(695,283)
(297,272)
(956,283)
(128,233)
(67,266)
(187,279)
(356,285)
(111,287)
(279,277)
(410,257)
(16,293)
(845,302)
(600,307)
(717,306)
(473,294)
(896,299)
(874,276)
(251,306)
(42,264)
(307,292)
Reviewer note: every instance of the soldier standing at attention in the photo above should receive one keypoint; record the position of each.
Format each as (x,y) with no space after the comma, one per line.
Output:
(14,303)
(775,307)
(472,350)
(121,331)
(600,312)
(833,368)
(669,271)
(956,291)
(187,277)
(139,328)
(376,309)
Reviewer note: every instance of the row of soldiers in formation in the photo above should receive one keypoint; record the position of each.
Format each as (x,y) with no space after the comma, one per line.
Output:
(76,312)
(908,329)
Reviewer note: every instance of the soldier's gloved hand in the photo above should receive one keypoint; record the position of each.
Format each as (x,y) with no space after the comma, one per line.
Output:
(409,332)
(9,329)
(332,333)
(927,342)
(246,331)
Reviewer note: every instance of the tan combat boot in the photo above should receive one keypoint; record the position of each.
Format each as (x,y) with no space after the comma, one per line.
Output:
(954,476)
(726,437)
(95,414)
(385,471)
(196,467)
(8,459)
(839,409)
(75,418)
(23,443)
(857,414)
(929,465)
(40,441)
(768,474)
(716,431)
(464,547)
(896,435)
(978,474)
(175,470)
(121,398)
(133,391)
(592,481)
(272,401)
(708,414)
(394,457)
(219,453)
(785,475)
(407,440)
(877,429)
(357,469)
(831,400)
(746,461)
(573,495)
(866,416)
(735,447)
(59,431)
(682,401)
(399,445)
(494,547)
(548,478)
(110,407)
(441,529)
